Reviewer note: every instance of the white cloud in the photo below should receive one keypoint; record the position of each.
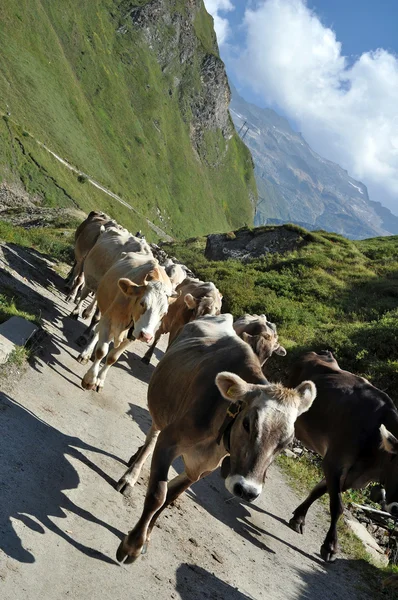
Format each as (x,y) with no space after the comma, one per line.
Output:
(348,112)
(221,24)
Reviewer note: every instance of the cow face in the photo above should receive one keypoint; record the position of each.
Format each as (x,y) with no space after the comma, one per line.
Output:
(148,304)
(207,305)
(261,430)
(389,443)
(264,345)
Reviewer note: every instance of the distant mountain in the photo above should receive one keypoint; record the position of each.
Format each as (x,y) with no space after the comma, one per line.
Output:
(297,185)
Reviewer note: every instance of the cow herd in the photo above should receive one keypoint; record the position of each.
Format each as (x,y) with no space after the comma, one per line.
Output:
(208,397)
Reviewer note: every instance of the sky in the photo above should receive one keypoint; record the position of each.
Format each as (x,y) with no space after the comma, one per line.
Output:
(331,68)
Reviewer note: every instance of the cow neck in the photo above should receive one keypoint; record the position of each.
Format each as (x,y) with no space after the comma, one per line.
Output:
(224,433)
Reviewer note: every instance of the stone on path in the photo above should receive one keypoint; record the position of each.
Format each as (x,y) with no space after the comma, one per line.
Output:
(14,332)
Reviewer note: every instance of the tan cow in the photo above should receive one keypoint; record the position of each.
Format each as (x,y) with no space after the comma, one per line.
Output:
(87,235)
(208,398)
(196,299)
(260,334)
(110,245)
(133,294)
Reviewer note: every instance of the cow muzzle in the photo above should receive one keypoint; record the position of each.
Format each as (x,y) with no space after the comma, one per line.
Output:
(243,488)
(145,336)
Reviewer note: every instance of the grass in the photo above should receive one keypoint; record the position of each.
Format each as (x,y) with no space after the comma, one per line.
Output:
(56,242)
(83,80)
(328,293)
(9,308)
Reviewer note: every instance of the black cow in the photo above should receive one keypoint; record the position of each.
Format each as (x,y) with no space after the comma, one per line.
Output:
(352,425)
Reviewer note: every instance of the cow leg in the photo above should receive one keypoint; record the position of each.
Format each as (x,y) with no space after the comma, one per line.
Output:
(88,332)
(297,522)
(85,355)
(112,357)
(75,314)
(73,276)
(69,277)
(146,359)
(333,480)
(175,488)
(77,283)
(197,465)
(90,309)
(130,477)
(90,379)
(131,547)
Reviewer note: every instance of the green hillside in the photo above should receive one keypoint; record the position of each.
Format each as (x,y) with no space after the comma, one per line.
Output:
(133,102)
(329,293)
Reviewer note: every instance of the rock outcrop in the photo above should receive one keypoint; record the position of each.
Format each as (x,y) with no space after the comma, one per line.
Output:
(246,244)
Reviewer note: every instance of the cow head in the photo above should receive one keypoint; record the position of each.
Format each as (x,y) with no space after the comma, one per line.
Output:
(389,478)
(261,430)
(206,305)
(148,303)
(261,335)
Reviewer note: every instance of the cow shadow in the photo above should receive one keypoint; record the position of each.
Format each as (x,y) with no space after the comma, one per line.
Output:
(131,363)
(211,494)
(354,579)
(141,416)
(194,583)
(34,473)
(32,265)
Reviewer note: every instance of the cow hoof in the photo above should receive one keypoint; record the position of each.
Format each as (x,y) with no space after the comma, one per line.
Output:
(87,385)
(82,341)
(74,316)
(99,387)
(328,554)
(122,555)
(145,360)
(83,360)
(297,526)
(124,487)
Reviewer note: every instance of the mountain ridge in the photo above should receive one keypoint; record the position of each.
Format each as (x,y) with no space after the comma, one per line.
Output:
(297,185)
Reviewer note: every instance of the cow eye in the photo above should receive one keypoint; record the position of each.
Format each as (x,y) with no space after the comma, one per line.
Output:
(142,303)
(246,424)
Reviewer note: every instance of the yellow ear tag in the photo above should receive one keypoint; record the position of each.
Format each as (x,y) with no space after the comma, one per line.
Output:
(230,391)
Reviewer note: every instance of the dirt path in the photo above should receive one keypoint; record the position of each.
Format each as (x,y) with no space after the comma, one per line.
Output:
(61,520)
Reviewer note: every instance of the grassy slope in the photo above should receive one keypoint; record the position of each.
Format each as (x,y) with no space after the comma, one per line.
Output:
(100,100)
(330,293)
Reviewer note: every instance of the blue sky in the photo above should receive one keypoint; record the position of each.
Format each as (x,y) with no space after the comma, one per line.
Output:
(330,67)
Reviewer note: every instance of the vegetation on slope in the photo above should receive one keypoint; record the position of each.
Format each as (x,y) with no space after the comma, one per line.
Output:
(330,293)
(82,78)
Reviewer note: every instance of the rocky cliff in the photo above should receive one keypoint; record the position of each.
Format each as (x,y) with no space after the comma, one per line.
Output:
(297,185)
(133,93)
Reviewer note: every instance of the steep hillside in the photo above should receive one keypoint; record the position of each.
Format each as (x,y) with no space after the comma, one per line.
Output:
(134,94)
(297,185)
(327,292)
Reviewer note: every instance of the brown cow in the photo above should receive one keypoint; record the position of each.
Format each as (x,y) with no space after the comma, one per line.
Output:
(112,242)
(207,368)
(133,294)
(89,232)
(347,427)
(196,299)
(260,334)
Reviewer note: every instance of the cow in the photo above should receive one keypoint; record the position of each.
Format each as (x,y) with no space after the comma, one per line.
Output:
(175,272)
(260,334)
(87,235)
(208,398)
(349,425)
(110,245)
(133,295)
(196,299)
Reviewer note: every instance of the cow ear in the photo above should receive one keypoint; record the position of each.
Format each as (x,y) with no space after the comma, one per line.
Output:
(231,386)
(190,301)
(128,287)
(307,393)
(389,442)
(280,351)
(149,276)
(246,337)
